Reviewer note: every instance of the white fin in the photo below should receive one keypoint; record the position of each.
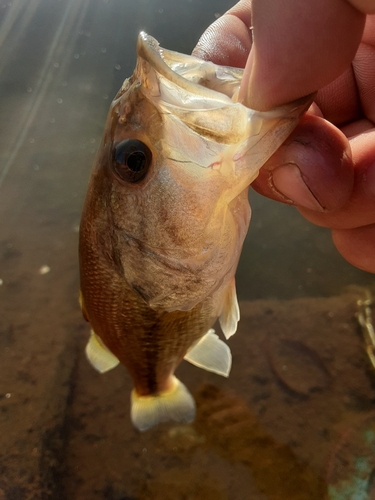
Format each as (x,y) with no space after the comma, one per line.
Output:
(230,315)
(99,355)
(212,354)
(175,404)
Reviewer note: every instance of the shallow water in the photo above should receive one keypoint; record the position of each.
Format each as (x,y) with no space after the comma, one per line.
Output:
(268,432)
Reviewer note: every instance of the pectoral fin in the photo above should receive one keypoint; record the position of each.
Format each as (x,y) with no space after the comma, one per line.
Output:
(212,354)
(99,355)
(174,404)
(230,314)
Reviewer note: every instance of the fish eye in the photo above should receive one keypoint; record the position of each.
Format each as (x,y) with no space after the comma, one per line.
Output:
(131,160)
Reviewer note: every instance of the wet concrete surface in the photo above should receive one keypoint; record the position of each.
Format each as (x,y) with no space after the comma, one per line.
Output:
(65,431)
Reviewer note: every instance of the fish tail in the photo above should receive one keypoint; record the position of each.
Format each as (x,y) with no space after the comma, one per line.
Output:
(174,404)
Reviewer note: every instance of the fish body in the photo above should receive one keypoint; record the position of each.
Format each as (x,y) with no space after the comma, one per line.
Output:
(164,220)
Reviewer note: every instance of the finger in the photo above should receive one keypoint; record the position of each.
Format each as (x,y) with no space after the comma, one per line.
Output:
(357,246)
(228,40)
(352,95)
(364,70)
(312,169)
(365,6)
(360,209)
(298,48)
(357,127)
(339,101)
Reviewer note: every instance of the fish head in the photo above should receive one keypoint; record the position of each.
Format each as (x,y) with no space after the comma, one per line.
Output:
(173,171)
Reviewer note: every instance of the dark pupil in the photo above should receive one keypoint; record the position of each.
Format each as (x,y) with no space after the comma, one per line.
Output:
(131,160)
(136,161)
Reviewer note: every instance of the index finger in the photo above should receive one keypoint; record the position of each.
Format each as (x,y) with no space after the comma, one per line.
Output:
(298,46)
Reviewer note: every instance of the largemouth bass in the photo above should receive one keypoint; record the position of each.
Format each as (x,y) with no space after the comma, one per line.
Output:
(164,220)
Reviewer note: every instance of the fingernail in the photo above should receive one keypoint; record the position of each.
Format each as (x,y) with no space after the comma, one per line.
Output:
(288,181)
(369,180)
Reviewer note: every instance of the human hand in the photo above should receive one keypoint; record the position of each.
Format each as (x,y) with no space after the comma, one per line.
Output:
(326,168)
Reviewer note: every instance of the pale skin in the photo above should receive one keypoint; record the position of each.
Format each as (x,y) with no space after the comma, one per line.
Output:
(327,167)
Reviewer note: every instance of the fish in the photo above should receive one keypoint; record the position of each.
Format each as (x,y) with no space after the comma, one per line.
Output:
(164,220)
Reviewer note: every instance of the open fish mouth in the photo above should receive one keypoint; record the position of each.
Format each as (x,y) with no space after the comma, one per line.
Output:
(203,97)
(188,73)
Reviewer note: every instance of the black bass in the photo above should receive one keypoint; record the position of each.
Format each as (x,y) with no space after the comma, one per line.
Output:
(164,220)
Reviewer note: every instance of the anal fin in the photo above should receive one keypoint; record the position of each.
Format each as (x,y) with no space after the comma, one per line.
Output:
(99,355)
(211,353)
(175,404)
(230,314)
